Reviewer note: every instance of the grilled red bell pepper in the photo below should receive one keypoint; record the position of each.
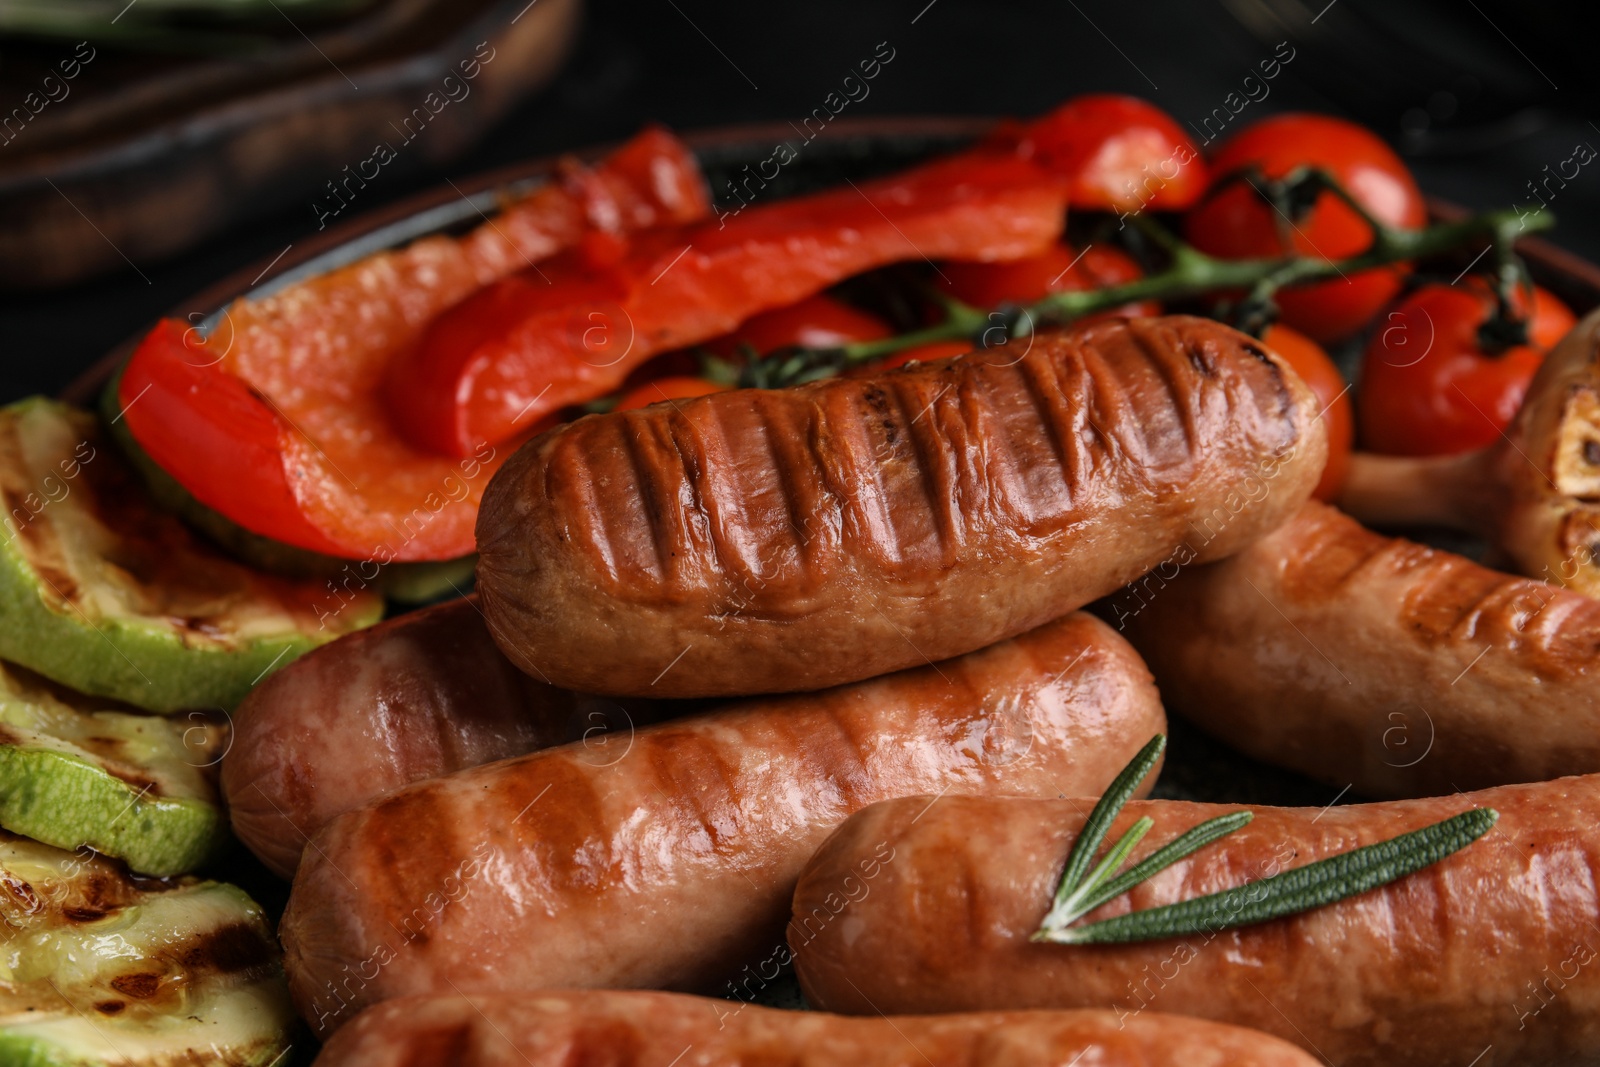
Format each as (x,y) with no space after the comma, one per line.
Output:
(570,331)
(275,419)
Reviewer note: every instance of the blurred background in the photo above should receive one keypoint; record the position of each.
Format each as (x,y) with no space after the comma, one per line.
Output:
(149,148)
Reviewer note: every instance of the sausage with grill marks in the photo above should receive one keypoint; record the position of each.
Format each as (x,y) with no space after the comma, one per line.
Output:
(668,863)
(1496,944)
(412,698)
(1374,662)
(655,1029)
(772,541)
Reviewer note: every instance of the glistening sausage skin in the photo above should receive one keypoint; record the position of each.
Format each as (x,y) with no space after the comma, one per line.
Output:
(656,1029)
(1374,662)
(789,539)
(1495,945)
(412,698)
(669,863)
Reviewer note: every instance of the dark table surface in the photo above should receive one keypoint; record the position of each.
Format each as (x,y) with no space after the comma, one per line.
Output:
(1481,97)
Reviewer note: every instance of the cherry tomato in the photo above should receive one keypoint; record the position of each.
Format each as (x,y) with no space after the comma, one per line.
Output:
(1551,319)
(1237,224)
(1023,281)
(1333,395)
(1427,386)
(1119,153)
(816,322)
(677,388)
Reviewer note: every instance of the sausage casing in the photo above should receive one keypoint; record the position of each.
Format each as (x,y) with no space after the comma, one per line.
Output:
(654,1029)
(1493,946)
(412,698)
(1374,662)
(668,863)
(780,540)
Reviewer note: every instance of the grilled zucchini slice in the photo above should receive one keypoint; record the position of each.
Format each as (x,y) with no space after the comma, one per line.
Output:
(98,967)
(133,786)
(105,593)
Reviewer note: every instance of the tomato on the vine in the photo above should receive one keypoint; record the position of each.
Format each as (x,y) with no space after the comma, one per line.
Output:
(1550,321)
(1119,153)
(674,388)
(1023,281)
(1428,388)
(1333,398)
(816,322)
(1236,223)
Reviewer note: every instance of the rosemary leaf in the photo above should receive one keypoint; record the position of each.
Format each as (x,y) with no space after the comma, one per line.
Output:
(1108,866)
(1105,812)
(1187,843)
(1291,892)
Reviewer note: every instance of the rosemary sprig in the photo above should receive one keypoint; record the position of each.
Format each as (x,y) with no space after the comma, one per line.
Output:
(1081,891)
(1099,822)
(1088,899)
(1292,892)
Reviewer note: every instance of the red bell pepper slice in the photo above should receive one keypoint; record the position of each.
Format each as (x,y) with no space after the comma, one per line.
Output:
(276,420)
(539,340)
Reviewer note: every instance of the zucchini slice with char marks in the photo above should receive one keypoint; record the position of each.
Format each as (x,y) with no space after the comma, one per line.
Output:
(103,592)
(135,786)
(100,967)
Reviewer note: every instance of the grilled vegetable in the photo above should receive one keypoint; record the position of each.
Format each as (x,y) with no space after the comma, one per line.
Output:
(100,967)
(275,417)
(128,785)
(104,593)
(405,583)
(518,350)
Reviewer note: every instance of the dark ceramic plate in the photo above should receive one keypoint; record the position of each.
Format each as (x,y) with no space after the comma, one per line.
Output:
(1197,767)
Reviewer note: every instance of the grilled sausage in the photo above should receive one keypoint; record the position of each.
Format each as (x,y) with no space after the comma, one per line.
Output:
(411,698)
(670,863)
(656,1029)
(1490,946)
(1371,661)
(771,541)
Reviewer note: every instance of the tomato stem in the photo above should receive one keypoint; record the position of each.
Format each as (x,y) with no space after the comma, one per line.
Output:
(1193,273)
(961,321)
(1505,328)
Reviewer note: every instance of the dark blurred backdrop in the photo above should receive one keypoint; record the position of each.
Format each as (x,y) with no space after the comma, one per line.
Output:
(1480,95)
